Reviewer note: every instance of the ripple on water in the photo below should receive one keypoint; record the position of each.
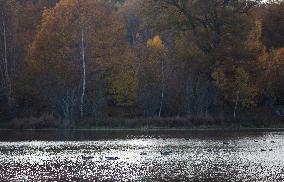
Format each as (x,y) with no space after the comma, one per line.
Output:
(192,159)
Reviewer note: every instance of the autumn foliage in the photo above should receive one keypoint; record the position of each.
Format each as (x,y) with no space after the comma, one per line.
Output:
(141,58)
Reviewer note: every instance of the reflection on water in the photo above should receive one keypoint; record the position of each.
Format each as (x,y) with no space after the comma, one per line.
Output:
(121,156)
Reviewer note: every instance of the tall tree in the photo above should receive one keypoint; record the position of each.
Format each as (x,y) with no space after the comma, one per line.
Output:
(9,11)
(217,28)
(273,26)
(158,46)
(75,48)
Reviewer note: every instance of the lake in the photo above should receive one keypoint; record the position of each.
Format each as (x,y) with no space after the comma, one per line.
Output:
(141,155)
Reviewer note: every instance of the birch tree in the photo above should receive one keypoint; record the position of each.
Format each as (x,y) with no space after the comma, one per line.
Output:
(8,35)
(157,44)
(237,89)
(79,42)
(83,73)
(6,74)
(83,64)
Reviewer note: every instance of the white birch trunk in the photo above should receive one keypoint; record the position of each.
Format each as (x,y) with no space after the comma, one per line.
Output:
(83,73)
(163,88)
(7,78)
(236,106)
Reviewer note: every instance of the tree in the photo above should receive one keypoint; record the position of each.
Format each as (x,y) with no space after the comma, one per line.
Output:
(191,64)
(236,78)
(238,90)
(75,48)
(271,79)
(124,82)
(9,11)
(157,44)
(273,26)
(217,29)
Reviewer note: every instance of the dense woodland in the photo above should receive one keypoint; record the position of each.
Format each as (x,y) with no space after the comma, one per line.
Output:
(77,59)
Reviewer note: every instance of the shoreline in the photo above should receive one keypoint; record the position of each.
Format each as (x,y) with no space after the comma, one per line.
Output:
(189,123)
(152,129)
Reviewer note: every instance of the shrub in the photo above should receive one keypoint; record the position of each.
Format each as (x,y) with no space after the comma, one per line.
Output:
(44,122)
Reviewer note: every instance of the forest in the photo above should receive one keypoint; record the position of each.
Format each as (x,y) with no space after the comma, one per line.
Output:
(75,62)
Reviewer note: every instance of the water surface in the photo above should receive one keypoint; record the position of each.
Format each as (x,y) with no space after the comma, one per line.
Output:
(136,156)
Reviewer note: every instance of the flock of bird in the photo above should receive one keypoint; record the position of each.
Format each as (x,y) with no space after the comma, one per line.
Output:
(263,150)
(256,141)
(166,153)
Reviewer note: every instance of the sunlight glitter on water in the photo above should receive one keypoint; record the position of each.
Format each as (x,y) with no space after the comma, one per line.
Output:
(140,159)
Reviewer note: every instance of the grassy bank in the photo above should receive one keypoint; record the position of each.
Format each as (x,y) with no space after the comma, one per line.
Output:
(192,123)
(189,122)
